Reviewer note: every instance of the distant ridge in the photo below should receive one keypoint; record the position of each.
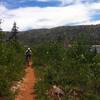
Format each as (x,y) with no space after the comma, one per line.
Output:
(40,35)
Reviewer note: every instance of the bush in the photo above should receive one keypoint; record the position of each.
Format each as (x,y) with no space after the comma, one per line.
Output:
(11,67)
(67,67)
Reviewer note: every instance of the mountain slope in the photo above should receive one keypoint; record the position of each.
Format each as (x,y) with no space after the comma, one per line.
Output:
(71,32)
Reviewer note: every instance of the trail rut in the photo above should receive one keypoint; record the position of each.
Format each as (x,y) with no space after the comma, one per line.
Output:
(26,90)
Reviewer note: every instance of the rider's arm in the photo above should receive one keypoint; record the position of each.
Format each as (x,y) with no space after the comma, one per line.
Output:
(31,51)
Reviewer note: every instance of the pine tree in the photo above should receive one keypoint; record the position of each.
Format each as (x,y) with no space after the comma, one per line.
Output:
(14,32)
(1,32)
(0,25)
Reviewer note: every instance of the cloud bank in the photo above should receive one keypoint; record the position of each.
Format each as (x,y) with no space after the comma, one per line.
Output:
(48,17)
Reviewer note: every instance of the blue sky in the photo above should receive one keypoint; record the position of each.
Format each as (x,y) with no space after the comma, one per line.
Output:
(30,14)
(11,4)
(42,3)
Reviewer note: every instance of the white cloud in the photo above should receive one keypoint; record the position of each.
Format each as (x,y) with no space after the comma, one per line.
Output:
(64,2)
(2,9)
(95,6)
(90,23)
(35,17)
(48,17)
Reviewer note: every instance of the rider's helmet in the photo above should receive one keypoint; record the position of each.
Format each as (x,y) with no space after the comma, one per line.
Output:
(29,49)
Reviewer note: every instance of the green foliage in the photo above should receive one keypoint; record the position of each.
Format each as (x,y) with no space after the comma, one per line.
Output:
(72,67)
(11,67)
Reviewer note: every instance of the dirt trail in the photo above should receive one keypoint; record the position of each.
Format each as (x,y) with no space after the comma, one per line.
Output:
(26,91)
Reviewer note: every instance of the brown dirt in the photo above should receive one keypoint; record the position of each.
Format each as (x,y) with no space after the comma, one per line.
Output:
(26,90)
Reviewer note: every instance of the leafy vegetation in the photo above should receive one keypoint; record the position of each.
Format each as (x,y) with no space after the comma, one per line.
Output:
(76,66)
(11,66)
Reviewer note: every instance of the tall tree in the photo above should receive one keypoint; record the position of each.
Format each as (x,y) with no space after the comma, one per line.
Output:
(14,32)
(0,25)
(1,32)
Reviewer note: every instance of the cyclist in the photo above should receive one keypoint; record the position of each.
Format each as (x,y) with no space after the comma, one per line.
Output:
(28,55)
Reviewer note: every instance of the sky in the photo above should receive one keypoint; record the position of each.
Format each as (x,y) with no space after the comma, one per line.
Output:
(36,14)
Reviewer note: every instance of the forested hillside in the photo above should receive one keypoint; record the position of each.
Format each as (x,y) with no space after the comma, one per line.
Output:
(68,32)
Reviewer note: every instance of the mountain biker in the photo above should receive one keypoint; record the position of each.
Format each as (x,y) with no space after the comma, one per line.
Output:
(28,55)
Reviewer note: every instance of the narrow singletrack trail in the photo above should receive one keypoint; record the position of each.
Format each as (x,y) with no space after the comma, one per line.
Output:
(26,90)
